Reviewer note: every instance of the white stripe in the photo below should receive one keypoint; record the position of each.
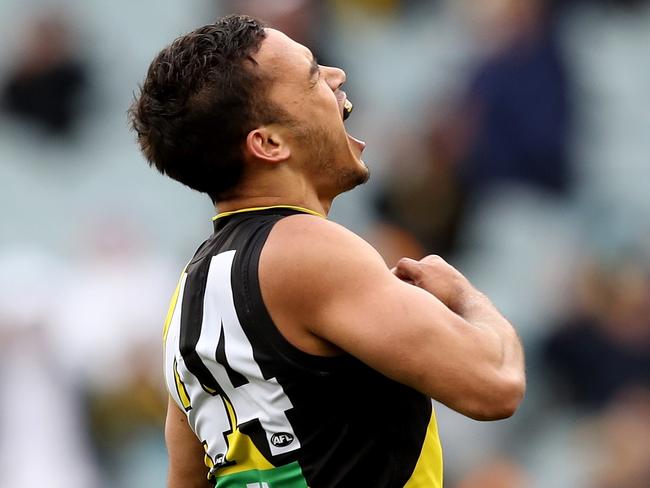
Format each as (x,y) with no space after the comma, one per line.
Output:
(259,399)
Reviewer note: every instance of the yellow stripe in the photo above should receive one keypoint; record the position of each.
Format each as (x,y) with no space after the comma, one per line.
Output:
(428,470)
(209,462)
(241,449)
(254,209)
(172,307)
(232,417)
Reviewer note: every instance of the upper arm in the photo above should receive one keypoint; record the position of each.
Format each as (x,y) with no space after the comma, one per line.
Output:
(186,467)
(319,277)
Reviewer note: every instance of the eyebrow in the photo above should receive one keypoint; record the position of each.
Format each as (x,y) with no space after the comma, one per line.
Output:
(314,68)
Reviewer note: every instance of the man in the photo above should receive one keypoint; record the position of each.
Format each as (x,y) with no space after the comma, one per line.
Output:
(293,356)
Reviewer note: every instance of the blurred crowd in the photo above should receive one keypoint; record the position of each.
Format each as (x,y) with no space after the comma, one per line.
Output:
(510,136)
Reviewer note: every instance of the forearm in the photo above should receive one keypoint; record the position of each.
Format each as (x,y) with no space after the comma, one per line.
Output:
(497,361)
(502,340)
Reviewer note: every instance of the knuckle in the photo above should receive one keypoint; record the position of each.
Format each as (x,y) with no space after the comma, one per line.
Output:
(409,265)
(402,262)
(433,259)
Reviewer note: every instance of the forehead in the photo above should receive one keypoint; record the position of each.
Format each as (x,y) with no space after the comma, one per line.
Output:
(279,54)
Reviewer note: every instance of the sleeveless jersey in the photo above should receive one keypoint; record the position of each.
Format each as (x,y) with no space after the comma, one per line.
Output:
(268,414)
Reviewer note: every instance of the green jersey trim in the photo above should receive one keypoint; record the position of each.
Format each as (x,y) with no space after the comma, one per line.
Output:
(287,476)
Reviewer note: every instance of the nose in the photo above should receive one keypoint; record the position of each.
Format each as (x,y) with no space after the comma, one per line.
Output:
(335,77)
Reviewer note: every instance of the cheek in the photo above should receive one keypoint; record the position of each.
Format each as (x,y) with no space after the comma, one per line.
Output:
(317,109)
(333,104)
(324,101)
(294,100)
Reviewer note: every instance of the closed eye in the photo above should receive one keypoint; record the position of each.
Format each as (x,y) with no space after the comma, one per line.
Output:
(314,71)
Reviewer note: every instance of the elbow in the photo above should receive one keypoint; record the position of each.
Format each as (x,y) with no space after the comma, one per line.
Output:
(502,401)
(510,394)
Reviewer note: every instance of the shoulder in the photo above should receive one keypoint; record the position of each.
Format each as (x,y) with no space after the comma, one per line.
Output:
(304,227)
(304,246)
(309,268)
(312,269)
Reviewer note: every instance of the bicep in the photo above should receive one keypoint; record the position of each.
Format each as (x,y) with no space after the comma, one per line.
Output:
(400,330)
(186,467)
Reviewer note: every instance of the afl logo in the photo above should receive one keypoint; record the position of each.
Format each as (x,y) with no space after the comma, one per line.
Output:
(281,439)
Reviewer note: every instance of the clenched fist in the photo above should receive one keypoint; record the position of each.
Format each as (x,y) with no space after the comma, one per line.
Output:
(435,275)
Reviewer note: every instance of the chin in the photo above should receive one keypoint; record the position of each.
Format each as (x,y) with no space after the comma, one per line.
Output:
(364,172)
(352,176)
(343,169)
(360,173)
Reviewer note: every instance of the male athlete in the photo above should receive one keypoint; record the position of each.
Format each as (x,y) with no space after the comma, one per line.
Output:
(293,356)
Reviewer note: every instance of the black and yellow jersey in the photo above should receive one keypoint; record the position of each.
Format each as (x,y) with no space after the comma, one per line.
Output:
(268,414)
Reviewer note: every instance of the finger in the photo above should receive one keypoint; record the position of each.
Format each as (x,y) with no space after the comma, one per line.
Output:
(408,269)
(433,259)
(404,279)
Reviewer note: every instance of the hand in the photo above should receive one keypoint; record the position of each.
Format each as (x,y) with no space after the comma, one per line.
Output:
(439,278)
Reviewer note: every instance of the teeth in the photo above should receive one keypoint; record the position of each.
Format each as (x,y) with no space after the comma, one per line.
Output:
(347,108)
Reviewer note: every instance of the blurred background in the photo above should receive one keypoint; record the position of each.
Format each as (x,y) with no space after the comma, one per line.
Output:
(510,136)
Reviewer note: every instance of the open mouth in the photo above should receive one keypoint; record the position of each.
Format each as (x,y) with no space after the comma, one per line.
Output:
(346,110)
(345,105)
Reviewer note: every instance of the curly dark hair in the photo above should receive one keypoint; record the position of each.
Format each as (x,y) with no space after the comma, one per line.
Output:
(202,95)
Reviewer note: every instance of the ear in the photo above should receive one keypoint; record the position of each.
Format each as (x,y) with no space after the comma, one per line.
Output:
(268,145)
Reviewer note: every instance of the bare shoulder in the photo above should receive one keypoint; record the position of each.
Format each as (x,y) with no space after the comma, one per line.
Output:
(306,264)
(307,227)
(306,243)
(301,247)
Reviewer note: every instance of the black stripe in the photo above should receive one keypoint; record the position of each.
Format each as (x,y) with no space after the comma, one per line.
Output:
(236,378)
(191,320)
(253,315)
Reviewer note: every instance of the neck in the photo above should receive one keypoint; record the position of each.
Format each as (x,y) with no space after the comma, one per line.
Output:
(269,186)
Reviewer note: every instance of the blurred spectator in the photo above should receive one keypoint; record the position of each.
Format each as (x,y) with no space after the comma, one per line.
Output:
(305,21)
(423,195)
(498,473)
(603,350)
(620,436)
(114,303)
(394,243)
(510,125)
(516,113)
(48,78)
(614,3)
(378,7)
(42,427)
(109,324)
(127,422)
